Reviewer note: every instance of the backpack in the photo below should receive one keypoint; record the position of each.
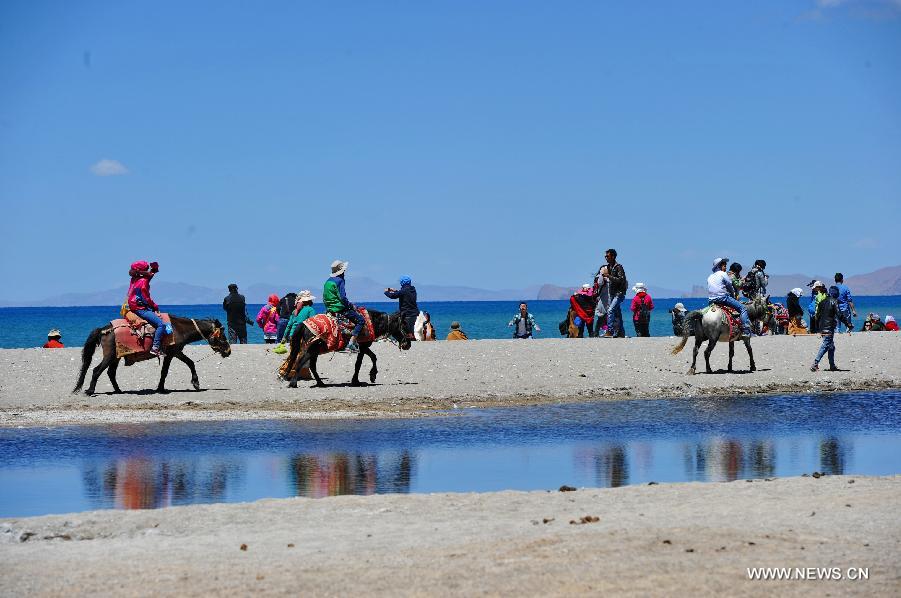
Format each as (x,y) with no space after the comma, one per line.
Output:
(749,284)
(644,314)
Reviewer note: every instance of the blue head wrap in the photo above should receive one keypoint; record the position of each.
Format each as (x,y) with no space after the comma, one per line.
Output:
(405,280)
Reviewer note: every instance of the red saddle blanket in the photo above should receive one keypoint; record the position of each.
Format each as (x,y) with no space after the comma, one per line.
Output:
(326,328)
(130,341)
(733,318)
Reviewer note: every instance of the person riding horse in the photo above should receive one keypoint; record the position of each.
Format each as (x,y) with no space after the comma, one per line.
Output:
(140,302)
(721,292)
(336,303)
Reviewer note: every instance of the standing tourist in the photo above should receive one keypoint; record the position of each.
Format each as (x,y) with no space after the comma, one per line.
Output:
(795,312)
(616,278)
(523,322)
(721,292)
(602,295)
(583,303)
(53,341)
(817,294)
(406,296)
(335,299)
(140,302)
(285,311)
(267,319)
(845,301)
(236,316)
(677,313)
(303,309)
(642,304)
(828,317)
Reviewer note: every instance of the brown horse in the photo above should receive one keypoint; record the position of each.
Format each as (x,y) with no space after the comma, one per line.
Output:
(306,348)
(186,330)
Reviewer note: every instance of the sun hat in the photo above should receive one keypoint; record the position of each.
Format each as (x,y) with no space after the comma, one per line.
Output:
(718,261)
(455,325)
(679,307)
(818,283)
(339,267)
(586,287)
(876,318)
(639,287)
(797,292)
(305,295)
(54,333)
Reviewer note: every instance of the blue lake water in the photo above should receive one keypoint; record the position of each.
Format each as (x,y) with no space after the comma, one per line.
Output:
(76,468)
(28,326)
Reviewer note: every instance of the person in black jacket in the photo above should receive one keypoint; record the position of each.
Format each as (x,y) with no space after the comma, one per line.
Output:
(616,278)
(285,309)
(406,296)
(828,317)
(235,307)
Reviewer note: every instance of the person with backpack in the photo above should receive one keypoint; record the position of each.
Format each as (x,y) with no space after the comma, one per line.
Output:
(755,282)
(285,311)
(642,304)
(267,319)
(616,278)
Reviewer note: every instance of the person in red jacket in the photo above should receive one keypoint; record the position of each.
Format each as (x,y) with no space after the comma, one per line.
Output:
(53,341)
(642,304)
(141,303)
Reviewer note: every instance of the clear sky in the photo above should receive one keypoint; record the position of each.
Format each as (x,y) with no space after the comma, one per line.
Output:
(491,144)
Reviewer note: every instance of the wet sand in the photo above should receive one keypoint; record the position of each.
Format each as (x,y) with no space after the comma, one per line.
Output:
(35,384)
(668,539)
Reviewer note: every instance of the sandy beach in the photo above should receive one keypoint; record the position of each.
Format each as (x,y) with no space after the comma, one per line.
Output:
(35,384)
(667,539)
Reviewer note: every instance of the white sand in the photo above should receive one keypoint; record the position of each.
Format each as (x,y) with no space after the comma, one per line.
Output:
(35,384)
(672,539)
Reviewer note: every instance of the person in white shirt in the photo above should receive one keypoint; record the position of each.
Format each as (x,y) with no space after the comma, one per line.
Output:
(721,292)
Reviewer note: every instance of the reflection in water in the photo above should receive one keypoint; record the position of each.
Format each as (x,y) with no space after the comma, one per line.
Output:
(316,476)
(147,483)
(833,455)
(611,466)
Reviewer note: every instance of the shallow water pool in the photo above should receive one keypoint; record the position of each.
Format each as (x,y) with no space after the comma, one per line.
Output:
(143,466)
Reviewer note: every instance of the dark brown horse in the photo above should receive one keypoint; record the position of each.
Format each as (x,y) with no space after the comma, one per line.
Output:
(307,348)
(186,330)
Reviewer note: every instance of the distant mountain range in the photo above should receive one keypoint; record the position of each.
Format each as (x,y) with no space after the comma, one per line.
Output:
(885,281)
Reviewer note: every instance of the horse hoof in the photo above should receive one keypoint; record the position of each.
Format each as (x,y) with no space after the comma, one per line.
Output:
(691,372)
(372,376)
(196,385)
(753,368)
(292,384)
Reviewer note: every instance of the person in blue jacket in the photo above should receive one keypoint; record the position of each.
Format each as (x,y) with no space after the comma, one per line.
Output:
(406,296)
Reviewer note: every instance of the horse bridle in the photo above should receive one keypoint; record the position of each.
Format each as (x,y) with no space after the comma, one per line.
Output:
(216,333)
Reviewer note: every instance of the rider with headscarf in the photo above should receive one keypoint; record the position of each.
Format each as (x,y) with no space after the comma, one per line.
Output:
(141,303)
(406,296)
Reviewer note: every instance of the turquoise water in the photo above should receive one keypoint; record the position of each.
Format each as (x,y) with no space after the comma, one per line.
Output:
(77,468)
(28,326)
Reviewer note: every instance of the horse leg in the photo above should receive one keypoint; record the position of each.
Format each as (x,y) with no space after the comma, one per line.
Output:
(313,358)
(694,356)
(375,370)
(355,381)
(111,372)
(710,345)
(195,381)
(750,354)
(164,371)
(731,353)
(108,358)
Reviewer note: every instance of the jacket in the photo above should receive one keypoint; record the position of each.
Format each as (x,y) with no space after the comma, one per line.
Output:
(637,301)
(139,295)
(235,307)
(794,306)
(814,303)
(268,319)
(334,296)
(457,335)
(829,315)
(616,276)
(297,319)
(529,324)
(407,301)
(286,305)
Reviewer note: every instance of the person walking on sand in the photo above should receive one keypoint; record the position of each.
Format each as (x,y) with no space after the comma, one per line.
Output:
(641,307)
(456,334)
(828,317)
(721,292)
(845,301)
(267,319)
(523,322)
(236,317)
(407,305)
(616,278)
(53,341)
(336,303)
(140,302)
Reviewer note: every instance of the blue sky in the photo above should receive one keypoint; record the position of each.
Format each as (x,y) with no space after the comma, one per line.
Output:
(492,144)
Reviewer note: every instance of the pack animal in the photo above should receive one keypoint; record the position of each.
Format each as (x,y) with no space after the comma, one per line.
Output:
(185,331)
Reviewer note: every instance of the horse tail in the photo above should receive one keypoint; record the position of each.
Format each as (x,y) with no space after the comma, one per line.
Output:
(87,354)
(686,330)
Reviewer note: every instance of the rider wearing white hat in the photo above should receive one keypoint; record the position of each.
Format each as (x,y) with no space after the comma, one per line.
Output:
(336,302)
(721,292)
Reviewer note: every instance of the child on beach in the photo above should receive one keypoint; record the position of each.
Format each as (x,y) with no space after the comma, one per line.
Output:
(828,317)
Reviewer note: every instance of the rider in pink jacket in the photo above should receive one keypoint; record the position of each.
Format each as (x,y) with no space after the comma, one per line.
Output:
(141,303)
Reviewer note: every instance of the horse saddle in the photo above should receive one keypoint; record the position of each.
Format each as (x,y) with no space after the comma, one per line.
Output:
(135,335)
(733,317)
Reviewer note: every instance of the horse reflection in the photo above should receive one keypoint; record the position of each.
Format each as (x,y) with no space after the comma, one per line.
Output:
(833,456)
(144,483)
(332,474)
